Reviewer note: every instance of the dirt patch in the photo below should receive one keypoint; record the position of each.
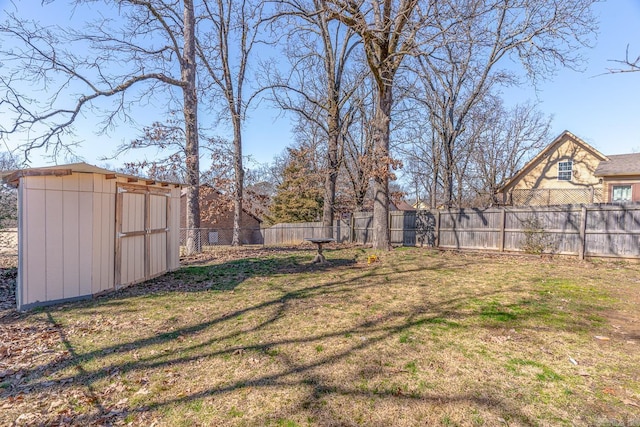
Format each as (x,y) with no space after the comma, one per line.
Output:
(625,319)
(7,290)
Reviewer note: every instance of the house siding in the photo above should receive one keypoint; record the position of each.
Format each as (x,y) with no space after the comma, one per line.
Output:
(544,174)
(537,182)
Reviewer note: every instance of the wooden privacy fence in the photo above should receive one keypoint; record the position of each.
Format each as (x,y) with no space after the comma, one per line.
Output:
(597,230)
(295,233)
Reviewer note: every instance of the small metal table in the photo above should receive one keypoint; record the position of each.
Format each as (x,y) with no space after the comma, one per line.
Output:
(319,258)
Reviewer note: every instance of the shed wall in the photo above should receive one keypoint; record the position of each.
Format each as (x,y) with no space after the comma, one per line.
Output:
(66,240)
(67,237)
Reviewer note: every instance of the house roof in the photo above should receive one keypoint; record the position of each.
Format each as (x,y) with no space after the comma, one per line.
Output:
(402,206)
(13,177)
(552,146)
(619,165)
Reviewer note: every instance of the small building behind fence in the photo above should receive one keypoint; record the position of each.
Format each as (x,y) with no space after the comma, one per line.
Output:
(216,223)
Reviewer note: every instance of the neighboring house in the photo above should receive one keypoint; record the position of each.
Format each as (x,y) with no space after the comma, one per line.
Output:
(217,226)
(620,176)
(563,173)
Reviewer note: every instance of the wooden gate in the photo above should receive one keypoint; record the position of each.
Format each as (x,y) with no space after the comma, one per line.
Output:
(142,215)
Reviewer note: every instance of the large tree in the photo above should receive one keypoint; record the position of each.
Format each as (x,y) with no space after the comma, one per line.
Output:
(505,140)
(388,30)
(133,50)
(322,76)
(225,50)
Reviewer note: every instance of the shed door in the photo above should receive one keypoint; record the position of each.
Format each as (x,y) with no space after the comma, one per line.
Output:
(141,233)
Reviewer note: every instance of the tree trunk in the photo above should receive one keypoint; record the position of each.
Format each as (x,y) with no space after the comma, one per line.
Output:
(381,130)
(188,71)
(448,170)
(332,173)
(435,164)
(239,182)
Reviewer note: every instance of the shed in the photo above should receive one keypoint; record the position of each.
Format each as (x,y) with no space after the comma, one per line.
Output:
(84,230)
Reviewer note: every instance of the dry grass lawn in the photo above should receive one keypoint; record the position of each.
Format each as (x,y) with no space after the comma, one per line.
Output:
(416,338)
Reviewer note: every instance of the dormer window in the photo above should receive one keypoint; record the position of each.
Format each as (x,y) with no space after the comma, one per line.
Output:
(565,170)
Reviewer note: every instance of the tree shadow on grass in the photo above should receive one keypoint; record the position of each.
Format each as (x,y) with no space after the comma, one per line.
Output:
(226,339)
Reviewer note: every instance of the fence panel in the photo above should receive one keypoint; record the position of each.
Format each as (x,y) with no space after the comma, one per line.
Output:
(555,196)
(594,230)
(363,227)
(222,236)
(296,233)
(613,231)
(470,228)
(561,224)
(608,230)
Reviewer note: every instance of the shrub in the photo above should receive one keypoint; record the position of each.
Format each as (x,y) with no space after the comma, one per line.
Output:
(536,240)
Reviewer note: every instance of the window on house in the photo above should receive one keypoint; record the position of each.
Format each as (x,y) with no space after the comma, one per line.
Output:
(621,193)
(565,170)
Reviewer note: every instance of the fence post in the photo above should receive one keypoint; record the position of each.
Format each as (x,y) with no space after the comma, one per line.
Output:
(502,229)
(352,227)
(437,229)
(583,233)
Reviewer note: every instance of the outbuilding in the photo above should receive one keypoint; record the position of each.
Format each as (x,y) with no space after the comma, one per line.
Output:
(84,230)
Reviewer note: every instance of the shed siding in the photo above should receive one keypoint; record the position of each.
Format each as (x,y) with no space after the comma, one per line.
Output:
(85,229)
(54,256)
(67,236)
(34,251)
(173,248)
(71,241)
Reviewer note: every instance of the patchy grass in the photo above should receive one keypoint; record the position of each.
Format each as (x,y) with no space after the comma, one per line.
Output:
(416,338)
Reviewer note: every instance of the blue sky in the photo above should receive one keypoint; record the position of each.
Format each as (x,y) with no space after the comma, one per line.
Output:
(603,109)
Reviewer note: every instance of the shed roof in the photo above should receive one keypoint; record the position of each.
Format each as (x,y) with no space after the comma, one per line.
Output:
(619,164)
(13,177)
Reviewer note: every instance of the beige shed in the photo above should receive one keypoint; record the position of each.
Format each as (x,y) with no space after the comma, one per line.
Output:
(84,230)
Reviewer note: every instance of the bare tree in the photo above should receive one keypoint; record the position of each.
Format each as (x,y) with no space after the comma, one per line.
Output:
(463,67)
(506,140)
(388,30)
(359,160)
(8,195)
(628,64)
(135,51)
(225,51)
(322,77)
